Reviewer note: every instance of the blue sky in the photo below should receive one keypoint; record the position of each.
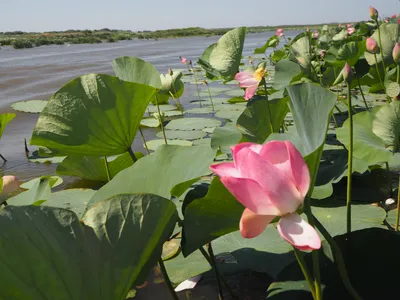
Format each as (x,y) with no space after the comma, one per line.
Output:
(43,15)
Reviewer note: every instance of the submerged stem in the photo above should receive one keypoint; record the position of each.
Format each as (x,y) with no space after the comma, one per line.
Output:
(339,260)
(362,93)
(161,121)
(197,83)
(223,281)
(304,269)
(350,164)
(268,108)
(134,158)
(167,280)
(144,140)
(107,169)
(214,266)
(398,208)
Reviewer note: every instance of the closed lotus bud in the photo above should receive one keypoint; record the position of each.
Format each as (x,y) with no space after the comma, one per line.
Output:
(170,72)
(373,13)
(396,53)
(372,45)
(10,184)
(347,73)
(394,16)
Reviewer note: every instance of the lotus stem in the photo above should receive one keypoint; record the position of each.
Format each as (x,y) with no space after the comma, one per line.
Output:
(398,74)
(338,109)
(380,46)
(167,280)
(3,158)
(306,272)
(223,281)
(268,108)
(396,227)
(107,169)
(214,266)
(144,141)
(209,94)
(161,121)
(339,261)
(177,102)
(390,180)
(134,158)
(350,164)
(334,120)
(362,93)
(197,83)
(377,71)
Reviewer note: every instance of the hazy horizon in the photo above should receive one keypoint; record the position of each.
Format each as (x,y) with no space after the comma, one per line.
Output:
(42,15)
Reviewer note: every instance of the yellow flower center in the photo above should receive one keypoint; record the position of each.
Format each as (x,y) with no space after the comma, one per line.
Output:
(259,74)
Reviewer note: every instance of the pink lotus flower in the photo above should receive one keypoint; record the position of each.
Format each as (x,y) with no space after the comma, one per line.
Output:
(183,60)
(394,16)
(279,32)
(372,45)
(373,13)
(349,25)
(250,81)
(270,180)
(10,184)
(350,30)
(396,53)
(316,34)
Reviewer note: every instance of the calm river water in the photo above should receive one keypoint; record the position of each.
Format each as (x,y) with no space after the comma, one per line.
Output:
(37,73)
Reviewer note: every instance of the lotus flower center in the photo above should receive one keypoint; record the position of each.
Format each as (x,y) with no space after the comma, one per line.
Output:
(259,74)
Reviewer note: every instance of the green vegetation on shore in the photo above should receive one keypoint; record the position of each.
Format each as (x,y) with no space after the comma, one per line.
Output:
(20,39)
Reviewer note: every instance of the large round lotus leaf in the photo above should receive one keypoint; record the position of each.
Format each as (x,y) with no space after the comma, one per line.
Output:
(150,122)
(300,50)
(30,106)
(154,144)
(340,36)
(182,135)
(391,218)
(286,70)
(205,141)
(389,38)
(386,124)
(46,160)
(75,200)
(136,70)
(273,41)
(95,115)
(171,113)
(200,110)
(68,258)
(192,124)
(165,107)
(223,58)
(4,120)
(54,180)
(367,145)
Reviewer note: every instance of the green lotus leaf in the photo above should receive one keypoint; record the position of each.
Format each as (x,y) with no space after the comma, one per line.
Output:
(192,124)
(389,37)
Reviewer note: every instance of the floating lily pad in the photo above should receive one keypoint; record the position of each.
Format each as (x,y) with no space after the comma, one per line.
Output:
(182,135)
(205,141)
(30,106)
(154,144)
(192,124)
(171,113)
(200,110)
(231,115)
(150,122)
(164,107)
(209,129)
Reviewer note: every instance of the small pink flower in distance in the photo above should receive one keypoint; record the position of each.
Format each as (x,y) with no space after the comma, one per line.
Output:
(372,45)
(350,30)
(279,32)
(386,20)
(183,60)
(349,25)
(250,81)
(270,180)
(398,21)
(340,25)
(322,53)
(394,16)
(10,184)
(315,34)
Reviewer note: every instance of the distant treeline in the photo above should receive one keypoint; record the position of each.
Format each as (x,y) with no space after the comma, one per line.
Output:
(20,39)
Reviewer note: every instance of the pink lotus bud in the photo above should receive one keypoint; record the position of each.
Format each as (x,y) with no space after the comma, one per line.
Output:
(279,32)
(350,30)
(347,73)
(170,72)
(349,25)
(387,20)
(372,45)
(396,53)
(315,34)
(183,59)
(373,13)
(394,16)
